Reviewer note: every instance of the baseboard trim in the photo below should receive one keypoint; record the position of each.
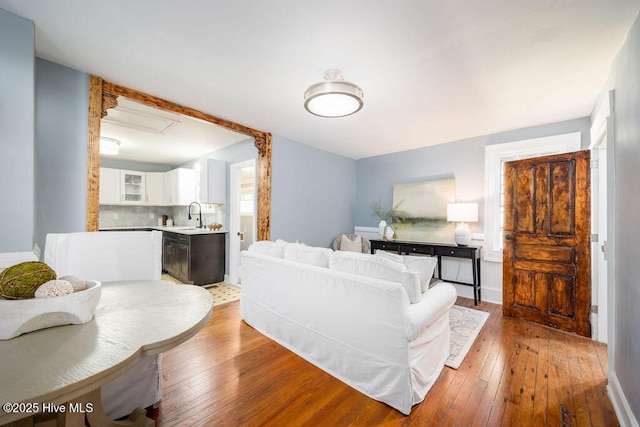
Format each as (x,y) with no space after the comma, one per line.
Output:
(620,404)
(487,294)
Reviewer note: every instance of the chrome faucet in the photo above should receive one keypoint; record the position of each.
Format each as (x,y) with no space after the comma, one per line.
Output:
(199,214)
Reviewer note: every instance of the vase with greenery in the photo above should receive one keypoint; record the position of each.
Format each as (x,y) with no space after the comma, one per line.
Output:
(394,214)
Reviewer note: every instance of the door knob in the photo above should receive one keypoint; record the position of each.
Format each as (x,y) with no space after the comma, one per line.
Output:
(508,237)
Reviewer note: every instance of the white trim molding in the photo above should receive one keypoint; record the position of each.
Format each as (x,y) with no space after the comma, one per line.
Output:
(494,156)
(619,401)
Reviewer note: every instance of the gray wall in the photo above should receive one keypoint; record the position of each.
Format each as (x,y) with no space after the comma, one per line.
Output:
(624,168)
(62,97)
(16,132)
(312,196)
(463,160)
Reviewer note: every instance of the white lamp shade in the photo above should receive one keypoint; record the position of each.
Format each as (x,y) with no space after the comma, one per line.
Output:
(462,212)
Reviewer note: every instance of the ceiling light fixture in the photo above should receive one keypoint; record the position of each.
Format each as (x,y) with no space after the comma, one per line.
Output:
(109,146)
(333,97)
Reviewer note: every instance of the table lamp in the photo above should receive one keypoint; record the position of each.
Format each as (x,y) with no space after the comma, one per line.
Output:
(462,213)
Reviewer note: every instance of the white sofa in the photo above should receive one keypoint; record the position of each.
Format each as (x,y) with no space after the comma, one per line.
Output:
(362,330)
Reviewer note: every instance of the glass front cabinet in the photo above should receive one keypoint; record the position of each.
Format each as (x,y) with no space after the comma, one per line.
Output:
(132,187)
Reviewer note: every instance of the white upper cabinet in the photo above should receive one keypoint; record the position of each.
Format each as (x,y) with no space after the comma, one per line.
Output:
(213,181)
(109,186)
(155,188)
(132,187)
(179,187)
(124,187)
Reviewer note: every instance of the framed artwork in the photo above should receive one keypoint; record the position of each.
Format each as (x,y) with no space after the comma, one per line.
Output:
(425,204)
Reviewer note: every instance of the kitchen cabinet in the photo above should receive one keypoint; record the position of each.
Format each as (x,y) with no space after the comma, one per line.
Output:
(132,187)
(109,186)
(194,258)
(213,181)
(154,188)
(179,187)
(124,187)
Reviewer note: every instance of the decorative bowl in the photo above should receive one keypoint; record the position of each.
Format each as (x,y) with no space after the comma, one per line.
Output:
(18,317)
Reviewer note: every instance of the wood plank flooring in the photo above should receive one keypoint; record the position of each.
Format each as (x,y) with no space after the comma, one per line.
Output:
(516,374)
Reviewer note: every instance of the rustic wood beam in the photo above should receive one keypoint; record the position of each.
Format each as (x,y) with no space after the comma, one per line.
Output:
(93,153)
(103,95)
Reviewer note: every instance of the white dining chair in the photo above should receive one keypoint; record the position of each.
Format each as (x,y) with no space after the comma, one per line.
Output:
(110,256)
(8,259)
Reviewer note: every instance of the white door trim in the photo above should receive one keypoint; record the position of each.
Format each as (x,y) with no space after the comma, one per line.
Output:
(234,219)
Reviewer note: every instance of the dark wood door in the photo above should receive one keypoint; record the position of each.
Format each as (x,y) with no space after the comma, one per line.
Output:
(546,259)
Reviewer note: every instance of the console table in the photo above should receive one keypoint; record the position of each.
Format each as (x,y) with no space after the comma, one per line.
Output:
(437,249)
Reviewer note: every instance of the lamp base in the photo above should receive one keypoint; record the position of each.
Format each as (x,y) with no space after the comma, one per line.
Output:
(462,234)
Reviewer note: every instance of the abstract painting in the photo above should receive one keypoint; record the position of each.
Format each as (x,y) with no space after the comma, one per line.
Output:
(425,204)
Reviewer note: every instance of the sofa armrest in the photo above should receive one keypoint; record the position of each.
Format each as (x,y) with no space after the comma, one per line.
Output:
(434,303)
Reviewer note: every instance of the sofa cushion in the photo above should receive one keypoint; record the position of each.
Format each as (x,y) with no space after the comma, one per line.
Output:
(424,264)
(308,254)
(379,268)
(266,247)
(348,245)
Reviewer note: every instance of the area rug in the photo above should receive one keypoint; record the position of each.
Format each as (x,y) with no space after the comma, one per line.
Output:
(222,293)
(465,324)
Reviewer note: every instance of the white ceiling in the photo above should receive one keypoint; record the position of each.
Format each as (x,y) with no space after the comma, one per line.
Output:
(151,135)
(431,71)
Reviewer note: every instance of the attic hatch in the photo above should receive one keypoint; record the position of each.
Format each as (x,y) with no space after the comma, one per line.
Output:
(141,117)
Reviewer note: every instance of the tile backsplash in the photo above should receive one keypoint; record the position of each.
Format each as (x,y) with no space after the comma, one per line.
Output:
(147,216)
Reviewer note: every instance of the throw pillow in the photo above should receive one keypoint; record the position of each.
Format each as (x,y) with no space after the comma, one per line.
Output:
(424,264)
(355,245)
(307,254)
(379,268)
(390,255)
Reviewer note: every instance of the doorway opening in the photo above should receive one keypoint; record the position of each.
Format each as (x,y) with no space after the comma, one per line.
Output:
(601,285)
(242,214)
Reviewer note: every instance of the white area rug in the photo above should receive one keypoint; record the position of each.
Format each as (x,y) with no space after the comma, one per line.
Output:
(465,324)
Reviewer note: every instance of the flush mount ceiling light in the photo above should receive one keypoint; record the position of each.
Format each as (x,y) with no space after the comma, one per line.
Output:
(333,97)
(109,146)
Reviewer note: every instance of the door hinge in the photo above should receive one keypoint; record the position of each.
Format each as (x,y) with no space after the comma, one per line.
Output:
(594,237)
(594,163)
(594,309)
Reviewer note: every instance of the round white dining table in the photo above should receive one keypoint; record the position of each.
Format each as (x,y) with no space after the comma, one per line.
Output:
(60,370)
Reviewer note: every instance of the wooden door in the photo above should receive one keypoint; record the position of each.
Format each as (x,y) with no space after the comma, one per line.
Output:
(546,259)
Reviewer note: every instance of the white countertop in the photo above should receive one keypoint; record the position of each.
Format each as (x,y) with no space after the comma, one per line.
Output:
(185,229)
(181,229)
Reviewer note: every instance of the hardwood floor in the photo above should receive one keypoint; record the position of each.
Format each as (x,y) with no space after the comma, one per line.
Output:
(516,373)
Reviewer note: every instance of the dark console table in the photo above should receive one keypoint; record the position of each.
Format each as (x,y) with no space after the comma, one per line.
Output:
(437,249)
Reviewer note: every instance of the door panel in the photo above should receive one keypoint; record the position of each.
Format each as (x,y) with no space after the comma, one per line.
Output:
(562,198)
(526,188)
(546,261)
